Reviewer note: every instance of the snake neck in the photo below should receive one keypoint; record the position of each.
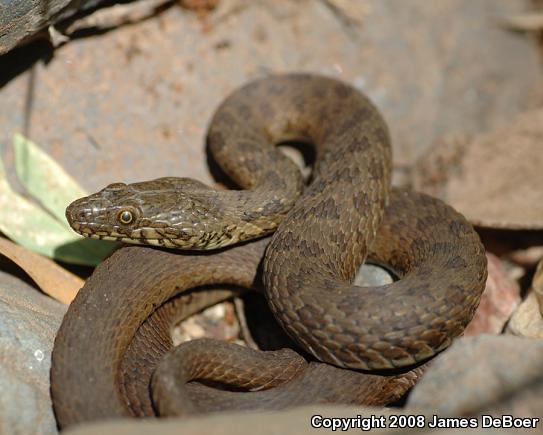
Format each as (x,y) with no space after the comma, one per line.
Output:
(265,200)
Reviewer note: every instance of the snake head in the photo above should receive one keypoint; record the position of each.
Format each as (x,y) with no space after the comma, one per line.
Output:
(170,212)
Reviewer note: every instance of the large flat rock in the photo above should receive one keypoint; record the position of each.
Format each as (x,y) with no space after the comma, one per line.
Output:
(28,324)
(134,103)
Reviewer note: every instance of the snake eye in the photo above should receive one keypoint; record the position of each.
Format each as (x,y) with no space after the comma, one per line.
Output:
(126,217)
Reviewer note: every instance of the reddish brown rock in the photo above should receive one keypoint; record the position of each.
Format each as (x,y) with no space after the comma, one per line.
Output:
(499,300)
(495,179)
(139,109)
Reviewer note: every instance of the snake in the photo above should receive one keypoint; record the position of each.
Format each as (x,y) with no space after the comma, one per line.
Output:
(313,238)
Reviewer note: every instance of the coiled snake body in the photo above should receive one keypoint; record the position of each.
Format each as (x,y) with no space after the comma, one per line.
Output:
(323,235)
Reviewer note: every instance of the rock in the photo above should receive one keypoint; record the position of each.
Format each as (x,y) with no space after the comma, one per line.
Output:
(140,109)
(28,324)
(499,300)
(525,402)
(527,257)
(478,373)
(537,284)
(372,275)
(20,19)
(294,421)
(218,321)
(495,179)
(527,321)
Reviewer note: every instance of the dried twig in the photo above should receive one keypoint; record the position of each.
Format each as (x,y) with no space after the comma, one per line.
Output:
(529,22)
(117,15)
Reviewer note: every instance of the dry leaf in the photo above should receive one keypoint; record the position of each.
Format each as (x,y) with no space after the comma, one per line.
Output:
(50,277)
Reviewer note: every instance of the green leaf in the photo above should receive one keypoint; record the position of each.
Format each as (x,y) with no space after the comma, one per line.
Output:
(32,227)
(44,178)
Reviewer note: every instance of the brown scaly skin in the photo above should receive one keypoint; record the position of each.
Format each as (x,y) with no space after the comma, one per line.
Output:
(285,378)
(103,373)
(313,255)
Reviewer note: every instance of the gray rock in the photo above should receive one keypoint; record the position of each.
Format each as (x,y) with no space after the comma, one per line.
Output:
(20,19)
(525,402)
(289,422)
(28,324)
(372,275)
(478,373)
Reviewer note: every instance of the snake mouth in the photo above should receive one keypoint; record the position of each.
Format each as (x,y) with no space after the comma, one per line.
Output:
(147,236)
(134,241)
(159,242)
